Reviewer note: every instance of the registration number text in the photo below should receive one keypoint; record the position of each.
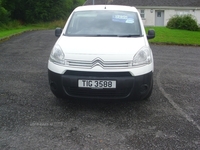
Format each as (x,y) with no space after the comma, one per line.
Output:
(97,83)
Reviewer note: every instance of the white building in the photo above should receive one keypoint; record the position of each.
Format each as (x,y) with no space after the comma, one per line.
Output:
(157,12)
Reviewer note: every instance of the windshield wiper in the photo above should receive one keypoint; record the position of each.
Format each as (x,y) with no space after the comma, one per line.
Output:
(130,35)
(106,35)
(94,35)
(113,35)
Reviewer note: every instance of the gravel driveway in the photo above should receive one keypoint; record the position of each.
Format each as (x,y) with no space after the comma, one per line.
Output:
(32,118)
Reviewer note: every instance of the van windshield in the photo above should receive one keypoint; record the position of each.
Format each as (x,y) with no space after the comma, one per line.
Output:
(104,23)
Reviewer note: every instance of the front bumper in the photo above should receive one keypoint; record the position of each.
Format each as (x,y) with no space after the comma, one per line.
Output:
(128,87)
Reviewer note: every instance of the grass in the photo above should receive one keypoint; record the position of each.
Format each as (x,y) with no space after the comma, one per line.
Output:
(15,28)
(175,37)
(11,32)
(163,34)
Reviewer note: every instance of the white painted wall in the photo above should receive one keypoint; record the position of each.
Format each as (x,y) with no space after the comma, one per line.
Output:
(196,13)
(149,19)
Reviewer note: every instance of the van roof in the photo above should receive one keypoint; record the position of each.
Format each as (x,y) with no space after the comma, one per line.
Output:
(106,7)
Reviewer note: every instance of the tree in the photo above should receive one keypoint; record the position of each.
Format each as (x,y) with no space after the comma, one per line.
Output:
(31,11)
(77,3)
(16,8)
(47,10)
(4,14)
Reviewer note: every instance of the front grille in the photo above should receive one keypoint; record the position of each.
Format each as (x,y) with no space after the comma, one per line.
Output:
(100,93)
(97,74)
(99,62)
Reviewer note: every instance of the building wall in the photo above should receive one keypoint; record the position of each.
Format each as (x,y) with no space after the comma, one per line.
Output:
(150,16)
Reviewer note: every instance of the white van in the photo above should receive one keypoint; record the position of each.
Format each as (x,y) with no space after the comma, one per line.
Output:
(102,53)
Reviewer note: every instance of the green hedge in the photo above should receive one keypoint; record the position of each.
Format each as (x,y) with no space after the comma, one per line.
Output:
(185,22)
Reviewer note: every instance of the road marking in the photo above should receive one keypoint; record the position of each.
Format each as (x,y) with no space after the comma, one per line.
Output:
(170,99)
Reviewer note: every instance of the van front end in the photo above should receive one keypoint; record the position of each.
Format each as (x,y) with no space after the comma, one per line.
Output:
(102,53)
(101,84)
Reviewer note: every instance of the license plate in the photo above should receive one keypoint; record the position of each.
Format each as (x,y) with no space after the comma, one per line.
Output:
(97,84)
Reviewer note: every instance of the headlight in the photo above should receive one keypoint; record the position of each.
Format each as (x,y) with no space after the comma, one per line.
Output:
(57,56)
(142,57)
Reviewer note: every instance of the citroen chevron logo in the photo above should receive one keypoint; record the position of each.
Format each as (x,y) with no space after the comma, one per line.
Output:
(97,62)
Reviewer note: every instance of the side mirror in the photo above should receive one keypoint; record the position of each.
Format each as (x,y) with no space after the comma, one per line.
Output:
(151,34)
(58,32)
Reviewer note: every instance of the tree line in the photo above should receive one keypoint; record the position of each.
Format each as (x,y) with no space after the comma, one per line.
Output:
(33,11)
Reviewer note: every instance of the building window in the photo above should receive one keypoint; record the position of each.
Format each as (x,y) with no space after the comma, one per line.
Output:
(159,14)
(142,13)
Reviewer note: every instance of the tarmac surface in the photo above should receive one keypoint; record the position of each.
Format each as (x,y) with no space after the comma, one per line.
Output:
(32,118)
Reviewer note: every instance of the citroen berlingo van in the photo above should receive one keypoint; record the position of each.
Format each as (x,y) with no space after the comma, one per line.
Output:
(102,53)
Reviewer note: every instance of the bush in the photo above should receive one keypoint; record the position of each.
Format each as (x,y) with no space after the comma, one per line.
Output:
(4,15)
(185,22)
